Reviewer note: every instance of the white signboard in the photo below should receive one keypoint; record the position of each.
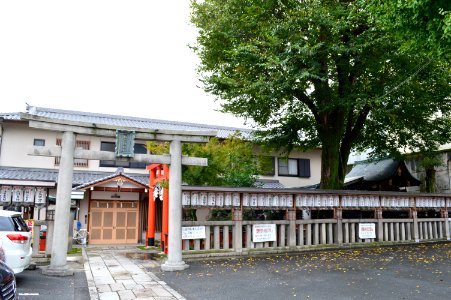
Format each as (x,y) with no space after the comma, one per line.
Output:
(264,233)
(5,194)
(367,230)
(40,196)
(28,195)
(17,194)
(193,233)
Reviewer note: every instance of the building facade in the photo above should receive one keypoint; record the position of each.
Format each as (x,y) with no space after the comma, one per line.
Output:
(110,197)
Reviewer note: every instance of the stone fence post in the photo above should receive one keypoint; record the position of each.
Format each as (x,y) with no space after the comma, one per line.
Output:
(338,214)
(414,216)
(291,216)
(380,225)
(238,230)
(444,215)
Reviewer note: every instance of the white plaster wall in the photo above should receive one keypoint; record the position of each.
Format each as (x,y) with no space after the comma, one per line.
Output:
(84,209)
(17,140)
(315,169)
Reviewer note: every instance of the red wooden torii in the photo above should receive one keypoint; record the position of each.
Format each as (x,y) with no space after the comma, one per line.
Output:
(158,173)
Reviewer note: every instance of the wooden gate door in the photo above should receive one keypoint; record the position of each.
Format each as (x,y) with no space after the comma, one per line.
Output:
(113,222)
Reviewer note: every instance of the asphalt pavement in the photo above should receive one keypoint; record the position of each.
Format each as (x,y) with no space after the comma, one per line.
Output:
(32,284)
(402,272)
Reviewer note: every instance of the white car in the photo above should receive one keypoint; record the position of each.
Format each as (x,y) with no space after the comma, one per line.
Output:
(16,240)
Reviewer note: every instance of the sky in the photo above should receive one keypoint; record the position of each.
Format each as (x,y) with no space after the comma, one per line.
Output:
(117,57)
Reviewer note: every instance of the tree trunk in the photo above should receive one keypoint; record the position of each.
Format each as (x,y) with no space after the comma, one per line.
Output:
(332,172)
(430,180)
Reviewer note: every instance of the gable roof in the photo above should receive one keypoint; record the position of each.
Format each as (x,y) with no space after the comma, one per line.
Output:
(125,121)
(119,174)
(374,171)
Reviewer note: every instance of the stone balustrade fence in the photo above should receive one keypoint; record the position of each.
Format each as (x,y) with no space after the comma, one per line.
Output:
(293,233)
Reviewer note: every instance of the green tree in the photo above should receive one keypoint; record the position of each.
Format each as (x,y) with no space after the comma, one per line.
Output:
(231,162)
(320,74)
(422,24)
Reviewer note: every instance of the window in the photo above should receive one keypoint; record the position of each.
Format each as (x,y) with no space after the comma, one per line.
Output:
(39,142)
(110,147)
(268,166)
(296,167)
(77,162)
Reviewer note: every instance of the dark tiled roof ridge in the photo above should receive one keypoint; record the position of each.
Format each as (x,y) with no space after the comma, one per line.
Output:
(100,115)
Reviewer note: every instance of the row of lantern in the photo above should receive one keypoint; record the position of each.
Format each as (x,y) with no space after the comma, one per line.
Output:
(257,200)
(229,199)
(23,196)
(431,202)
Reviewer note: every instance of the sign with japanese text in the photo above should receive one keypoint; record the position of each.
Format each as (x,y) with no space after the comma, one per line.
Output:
(40,196)
(5,194)
(367,230)
(17,194)
(193,233)
(264,233)
(28,195)
(125,143)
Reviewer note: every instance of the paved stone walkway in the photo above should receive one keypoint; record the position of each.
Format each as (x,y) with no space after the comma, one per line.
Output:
(123,272)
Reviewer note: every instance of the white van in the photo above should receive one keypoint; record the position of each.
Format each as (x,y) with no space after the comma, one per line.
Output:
(16,240)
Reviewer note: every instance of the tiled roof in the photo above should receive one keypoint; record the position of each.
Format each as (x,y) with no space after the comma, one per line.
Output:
(377,170)
(269,184)
(119,172)
(125,121)
(85,178)
(51,175)
(10,116)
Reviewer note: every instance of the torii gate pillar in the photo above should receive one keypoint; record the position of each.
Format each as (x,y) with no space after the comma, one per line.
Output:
(174,261)
(58,263)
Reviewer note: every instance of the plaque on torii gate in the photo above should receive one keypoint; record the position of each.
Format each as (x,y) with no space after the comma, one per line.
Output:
(67,152)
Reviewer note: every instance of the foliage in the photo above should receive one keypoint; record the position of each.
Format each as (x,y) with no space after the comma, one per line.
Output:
(220,215)
(265,215)
(74,251)
(422,24)
(231,162)
(428,162)
(321,74)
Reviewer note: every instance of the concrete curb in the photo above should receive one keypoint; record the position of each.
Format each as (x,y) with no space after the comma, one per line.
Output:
(91,284)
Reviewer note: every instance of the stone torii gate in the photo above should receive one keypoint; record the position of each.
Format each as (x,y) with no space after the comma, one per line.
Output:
(67,152)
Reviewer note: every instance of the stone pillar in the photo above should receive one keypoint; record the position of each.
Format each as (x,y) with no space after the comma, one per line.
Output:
(36,238)
(380,225)
(444,215)
(49,238)
(238,230)
(416,235)
(338,214)
(58,262)
(291,216)
(174,261)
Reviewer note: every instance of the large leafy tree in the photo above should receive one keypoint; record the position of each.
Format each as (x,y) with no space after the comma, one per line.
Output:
(320,73)
(423,25)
